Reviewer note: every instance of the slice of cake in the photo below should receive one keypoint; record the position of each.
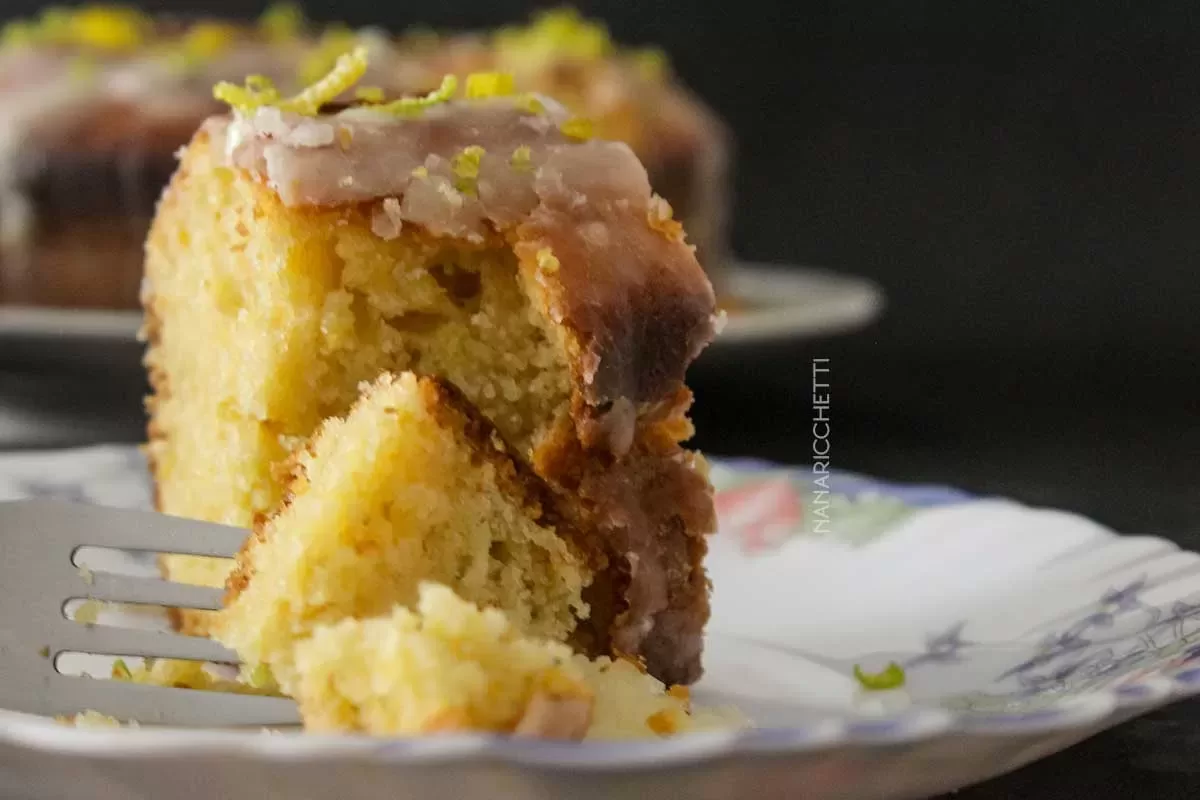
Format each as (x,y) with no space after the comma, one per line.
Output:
(410,486)
(486,241)
(444,666)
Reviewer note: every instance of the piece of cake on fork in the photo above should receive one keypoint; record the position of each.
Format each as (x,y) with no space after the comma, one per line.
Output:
(411,486)
(303,249)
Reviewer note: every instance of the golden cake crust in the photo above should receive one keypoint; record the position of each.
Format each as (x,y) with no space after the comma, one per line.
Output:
(641,311)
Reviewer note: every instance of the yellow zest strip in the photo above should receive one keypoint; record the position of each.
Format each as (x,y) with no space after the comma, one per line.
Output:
(577,128)
(204,40)
(99,27)
(336,40)
(489,84)
(349,68)
(466,169)
(370,94)
(259,91)
(415,105)
(522,159)
(555,33)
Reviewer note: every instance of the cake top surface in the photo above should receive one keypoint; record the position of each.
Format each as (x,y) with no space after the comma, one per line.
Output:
(456,162)
(453,168)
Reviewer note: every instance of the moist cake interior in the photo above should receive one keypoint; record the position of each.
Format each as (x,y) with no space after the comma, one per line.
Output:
(324,306)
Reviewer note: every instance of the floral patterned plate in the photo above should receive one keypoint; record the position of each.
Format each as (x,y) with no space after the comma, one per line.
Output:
(1020,631)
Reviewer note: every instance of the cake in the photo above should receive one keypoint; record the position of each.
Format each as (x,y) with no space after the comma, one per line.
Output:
(411,486)
(99,98)
(94,719)
(486,241)
(446,665)
(629,703)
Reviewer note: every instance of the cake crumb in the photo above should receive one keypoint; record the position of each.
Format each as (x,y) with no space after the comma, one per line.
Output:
(386,222)
(547,261)
(88,612)
(94,719)
(661,217)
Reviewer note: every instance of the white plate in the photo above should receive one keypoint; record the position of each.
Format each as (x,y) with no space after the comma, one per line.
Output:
(786,302)
(791,302)
(1021,630)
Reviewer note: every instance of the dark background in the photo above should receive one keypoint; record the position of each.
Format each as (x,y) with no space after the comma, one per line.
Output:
(1023,178)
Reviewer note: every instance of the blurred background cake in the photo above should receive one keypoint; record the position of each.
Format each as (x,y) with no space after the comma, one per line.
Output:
(99,98)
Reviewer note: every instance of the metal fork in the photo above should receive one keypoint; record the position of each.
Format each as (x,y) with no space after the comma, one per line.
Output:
(38,540)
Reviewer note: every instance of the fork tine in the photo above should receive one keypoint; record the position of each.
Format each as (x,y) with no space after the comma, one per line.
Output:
(37,539)
(152,591)
(135,642)
(158,705)
(122,528)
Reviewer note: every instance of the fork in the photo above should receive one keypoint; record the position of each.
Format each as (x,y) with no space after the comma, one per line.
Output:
(39,540)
